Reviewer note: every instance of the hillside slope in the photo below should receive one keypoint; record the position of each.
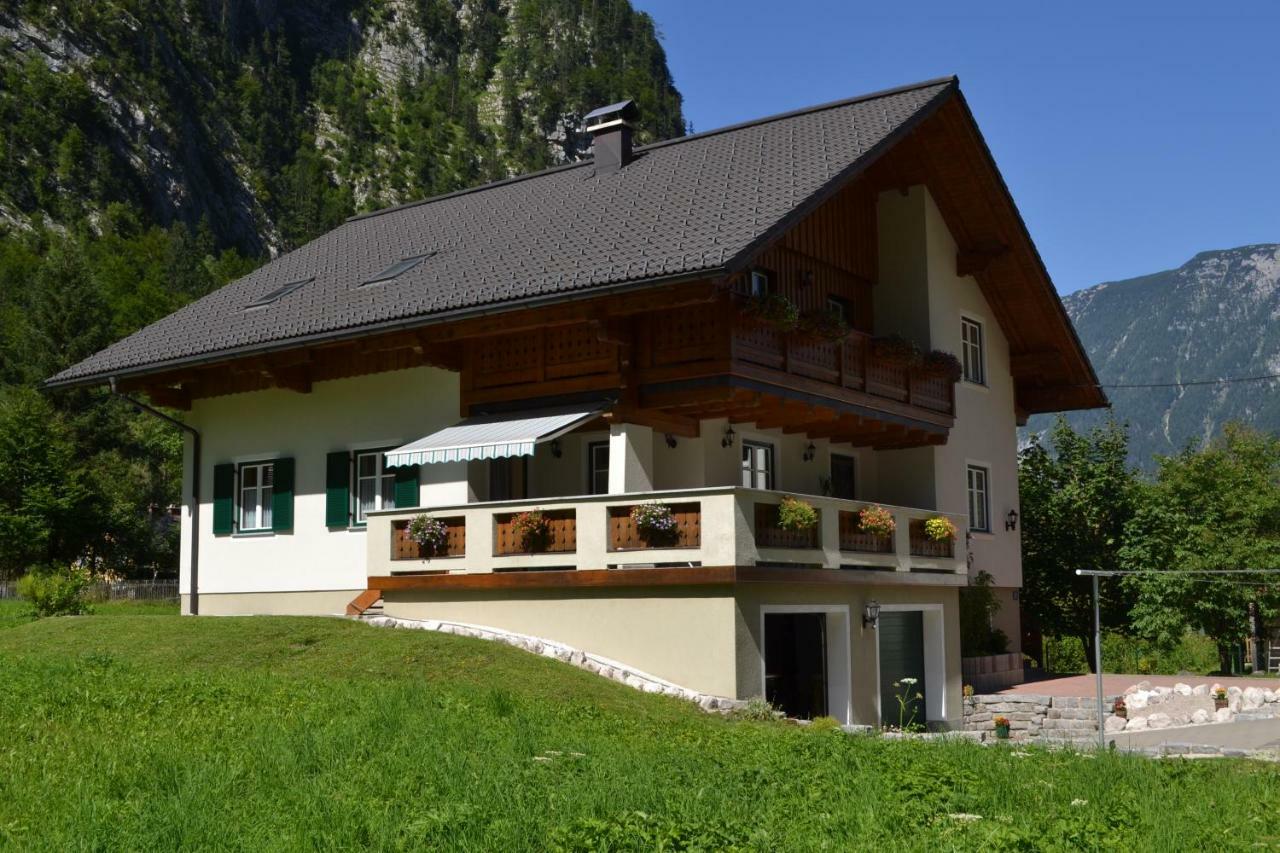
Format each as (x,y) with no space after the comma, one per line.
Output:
(1215,316)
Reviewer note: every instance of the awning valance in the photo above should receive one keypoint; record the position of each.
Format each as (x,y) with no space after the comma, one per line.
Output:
(494,436)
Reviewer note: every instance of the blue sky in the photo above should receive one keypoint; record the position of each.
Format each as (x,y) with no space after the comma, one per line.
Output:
(1130,139)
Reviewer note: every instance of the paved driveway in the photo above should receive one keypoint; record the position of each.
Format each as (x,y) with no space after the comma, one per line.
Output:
(1243,734)
(1087,685)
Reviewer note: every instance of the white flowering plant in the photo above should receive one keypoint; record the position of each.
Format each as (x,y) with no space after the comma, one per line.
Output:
(655,522)
(431,534)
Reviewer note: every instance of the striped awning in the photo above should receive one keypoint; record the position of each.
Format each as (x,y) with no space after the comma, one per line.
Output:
(494,436)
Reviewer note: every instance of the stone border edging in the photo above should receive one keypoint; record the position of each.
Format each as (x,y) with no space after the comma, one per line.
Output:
(597,664)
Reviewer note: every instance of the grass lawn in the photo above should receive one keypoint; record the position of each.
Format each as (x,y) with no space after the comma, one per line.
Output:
(163,732)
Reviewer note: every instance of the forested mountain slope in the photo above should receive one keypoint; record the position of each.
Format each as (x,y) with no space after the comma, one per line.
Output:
(151,150)
(1218,315)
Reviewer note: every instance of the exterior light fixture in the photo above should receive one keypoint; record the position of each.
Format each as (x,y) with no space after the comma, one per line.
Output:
(671,441)
(810,452)
(871,614)
(729,435)
(1011,520)
(556,450)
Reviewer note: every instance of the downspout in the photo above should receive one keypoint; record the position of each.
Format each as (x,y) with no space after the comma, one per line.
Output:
(195,489)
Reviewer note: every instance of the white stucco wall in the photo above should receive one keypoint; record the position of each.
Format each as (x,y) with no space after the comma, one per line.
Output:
(380,410)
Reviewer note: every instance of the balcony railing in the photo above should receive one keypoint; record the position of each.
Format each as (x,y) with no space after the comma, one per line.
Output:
(714,527)
(850,363)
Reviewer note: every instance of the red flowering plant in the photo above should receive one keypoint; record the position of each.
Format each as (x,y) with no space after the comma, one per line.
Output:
(876,521)
(531,530)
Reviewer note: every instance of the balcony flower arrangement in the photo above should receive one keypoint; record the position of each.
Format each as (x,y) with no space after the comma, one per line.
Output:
(939,528)
(796,515)
(655,522)
(876,521)
(773,309)
(824,326)
(897,349)
(942,364)
(1002,727)
(431,534)
(531,530)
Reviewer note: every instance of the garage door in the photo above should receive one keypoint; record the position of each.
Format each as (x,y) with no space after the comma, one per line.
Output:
(901,656)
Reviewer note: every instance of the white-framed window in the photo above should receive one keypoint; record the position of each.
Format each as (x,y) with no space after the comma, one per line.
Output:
(757,465)
(972,351)
(598,468)
(375,485)
(256,481)
(839,306)
(761,282)
(979,499)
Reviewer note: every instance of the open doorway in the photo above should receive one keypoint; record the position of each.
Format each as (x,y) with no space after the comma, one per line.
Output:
(795,657)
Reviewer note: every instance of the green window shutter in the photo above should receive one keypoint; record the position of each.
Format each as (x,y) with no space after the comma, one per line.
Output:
(224,499)
(282,496)
(337,489)
(406,486)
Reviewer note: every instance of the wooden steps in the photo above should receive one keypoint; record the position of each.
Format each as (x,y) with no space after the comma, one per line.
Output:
(367,603)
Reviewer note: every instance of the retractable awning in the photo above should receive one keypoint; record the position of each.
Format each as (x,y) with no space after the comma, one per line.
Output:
(494,436)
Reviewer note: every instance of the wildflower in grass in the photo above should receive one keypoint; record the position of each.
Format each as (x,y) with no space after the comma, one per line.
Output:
(965,817)
(1077,802)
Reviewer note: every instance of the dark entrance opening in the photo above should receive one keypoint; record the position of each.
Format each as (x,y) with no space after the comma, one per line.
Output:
(795,663)
(842,477)
(901,656)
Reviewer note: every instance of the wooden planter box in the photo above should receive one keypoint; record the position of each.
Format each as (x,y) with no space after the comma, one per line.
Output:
(404,548)
(562,534)
(769,535)
(852,538)
(624,536)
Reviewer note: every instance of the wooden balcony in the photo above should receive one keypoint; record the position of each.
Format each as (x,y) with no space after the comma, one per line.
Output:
(719,527)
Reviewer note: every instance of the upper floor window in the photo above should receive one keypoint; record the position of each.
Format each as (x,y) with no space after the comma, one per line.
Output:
(840,308)
(979,499)
(598,468)
(761,282)
(972,351)
(375,484)
(257,481)
(757,465)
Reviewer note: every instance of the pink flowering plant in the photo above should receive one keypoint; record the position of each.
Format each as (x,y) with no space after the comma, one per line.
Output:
(531,529)
(876,521)
(655,522)
(431,534)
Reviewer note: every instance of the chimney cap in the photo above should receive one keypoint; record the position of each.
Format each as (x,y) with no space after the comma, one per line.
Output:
(621,112)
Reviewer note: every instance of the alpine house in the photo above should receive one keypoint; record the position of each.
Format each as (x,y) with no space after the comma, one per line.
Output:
(737,410)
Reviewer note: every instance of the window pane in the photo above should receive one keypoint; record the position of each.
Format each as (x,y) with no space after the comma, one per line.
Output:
(368,464)
(268,475)
(365,498)
(249,476)
(249,510)
(388,491)
(264,511)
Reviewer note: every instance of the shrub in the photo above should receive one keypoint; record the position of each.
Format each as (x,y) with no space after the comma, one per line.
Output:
(896,348)
(1194,653)
(655,522)
(795,514)
(759,709)
(824,724)
(531,529)
(876,521)
(824,325)
(943,364)
(939,528)
(55,591)
(775,310)
(431,533)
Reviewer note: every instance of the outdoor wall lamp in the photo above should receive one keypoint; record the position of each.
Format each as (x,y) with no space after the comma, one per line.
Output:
(810,452)
(729,435)
(671,441)
(1011,520)
(556,450)
(871,614)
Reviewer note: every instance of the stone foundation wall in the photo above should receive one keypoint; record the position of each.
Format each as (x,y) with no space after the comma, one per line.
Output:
(1033,717)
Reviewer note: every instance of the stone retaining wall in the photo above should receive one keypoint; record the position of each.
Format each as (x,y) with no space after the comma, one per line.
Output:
(1033,717)
(989,673)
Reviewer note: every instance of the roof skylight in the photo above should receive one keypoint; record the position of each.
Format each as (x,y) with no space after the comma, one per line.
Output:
(278,294)
(399,268)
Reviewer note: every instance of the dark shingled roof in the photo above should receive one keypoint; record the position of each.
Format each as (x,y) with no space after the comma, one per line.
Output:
(688,207)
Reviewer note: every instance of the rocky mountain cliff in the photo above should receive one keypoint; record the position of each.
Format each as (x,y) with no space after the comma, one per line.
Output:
(272,120)
(1215,316)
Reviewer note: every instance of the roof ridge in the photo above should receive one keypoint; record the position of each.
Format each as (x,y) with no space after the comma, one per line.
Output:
(952,80)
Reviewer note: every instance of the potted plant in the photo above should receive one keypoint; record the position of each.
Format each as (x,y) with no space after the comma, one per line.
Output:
(939,528)
(967,691)
(796,515)
(823,325)
(876,521)
(1002,727)
(431,534)
(942,364)
(896,348)
(531,530)
(1219,697)
(773,309)
(655,523)
(1119,708)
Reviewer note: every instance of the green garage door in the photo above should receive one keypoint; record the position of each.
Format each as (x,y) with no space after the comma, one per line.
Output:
(901,656)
